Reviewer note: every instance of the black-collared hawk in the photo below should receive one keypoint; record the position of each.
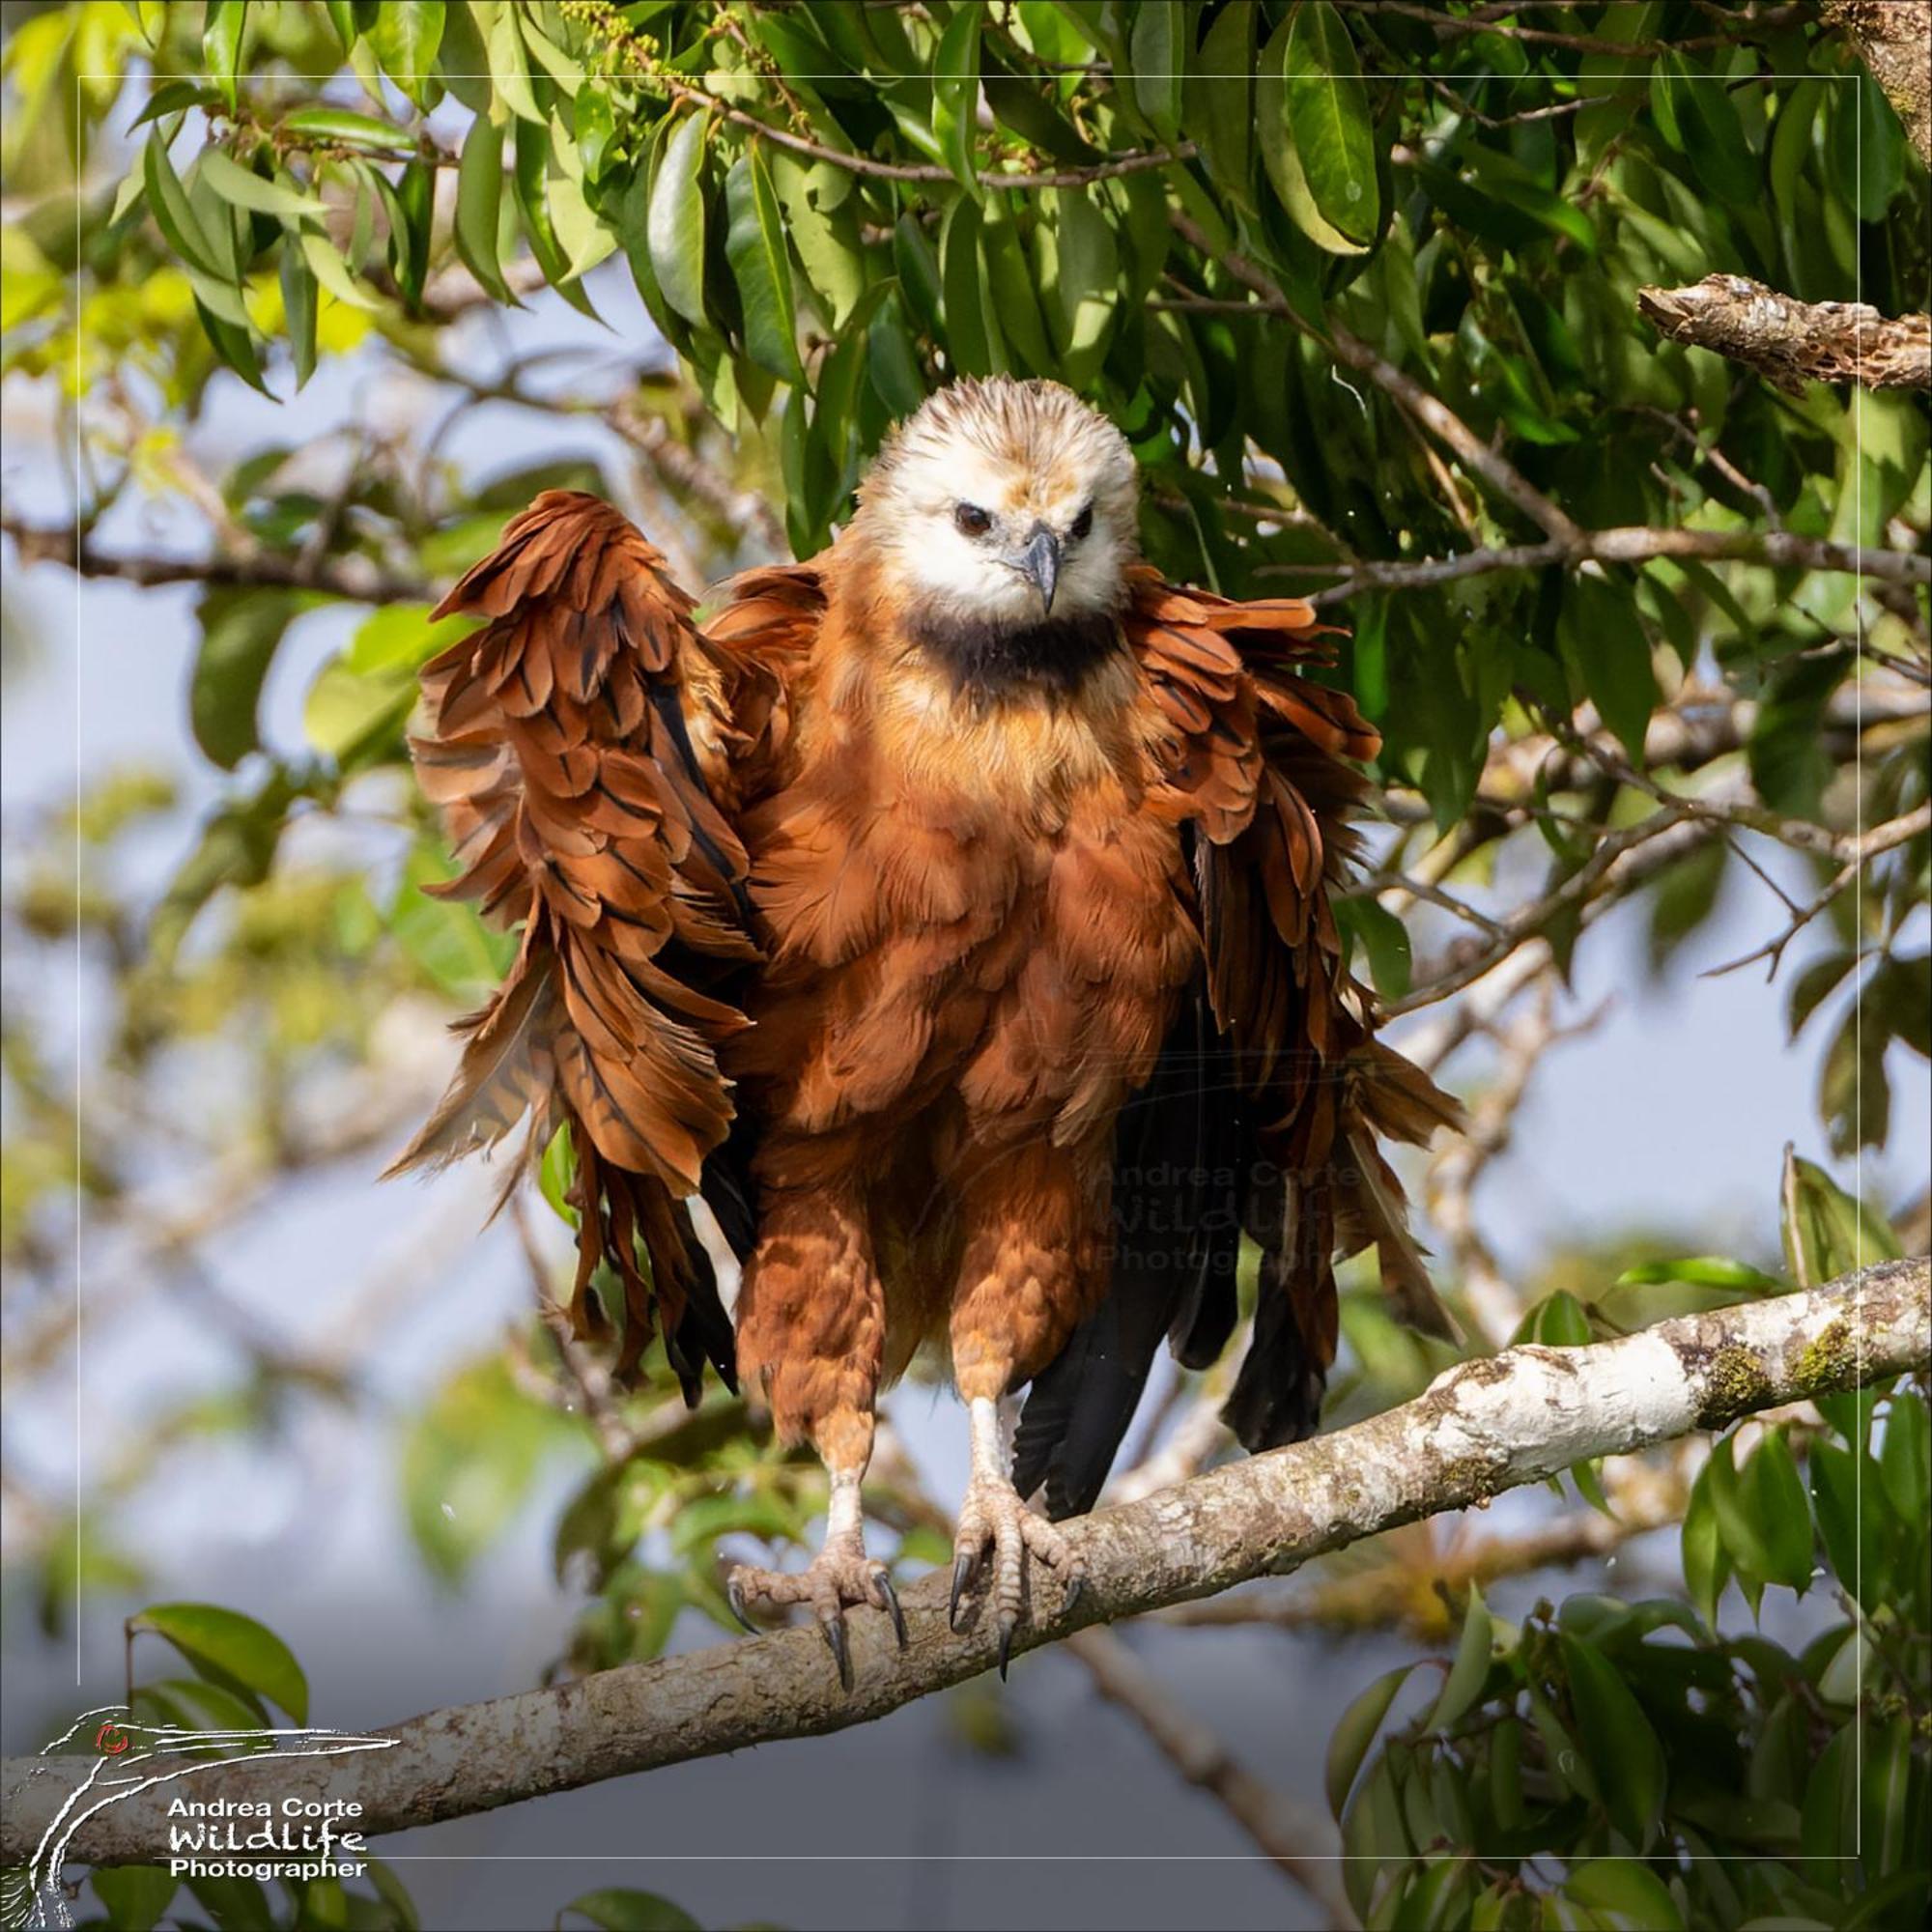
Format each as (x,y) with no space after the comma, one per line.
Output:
(951,915)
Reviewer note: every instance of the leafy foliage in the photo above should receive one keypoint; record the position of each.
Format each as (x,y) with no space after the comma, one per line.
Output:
(1683,1776)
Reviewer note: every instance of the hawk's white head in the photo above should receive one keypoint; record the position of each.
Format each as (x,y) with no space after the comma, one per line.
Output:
(1001,519)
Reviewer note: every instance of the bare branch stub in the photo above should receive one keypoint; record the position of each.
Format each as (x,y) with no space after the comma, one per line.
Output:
(1792,342)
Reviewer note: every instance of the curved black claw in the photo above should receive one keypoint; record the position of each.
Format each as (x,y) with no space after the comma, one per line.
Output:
(1008,1626)
(833,1628)
(734,1595)
(898,1616)
(963,1568)
(1075,1590)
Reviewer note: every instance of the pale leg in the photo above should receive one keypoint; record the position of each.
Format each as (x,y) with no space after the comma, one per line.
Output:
(993,1515)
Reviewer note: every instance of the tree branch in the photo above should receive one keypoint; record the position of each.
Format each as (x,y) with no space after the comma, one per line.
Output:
(1792,342)
(1300,1843)
(352,576)
(1484,1426)
(1891,37)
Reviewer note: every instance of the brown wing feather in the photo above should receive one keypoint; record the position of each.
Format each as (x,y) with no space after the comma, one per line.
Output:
(1253,754)
(561,751)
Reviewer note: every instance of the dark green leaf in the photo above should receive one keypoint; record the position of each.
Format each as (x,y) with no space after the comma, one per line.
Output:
(973,344)
(677,218)
(1867,145)
(955,93)
(240,631)
(1355,1731)
(1470,1671)
(1707,1564)
(1384,938)
(620,1910)
(1623,1896)
(761,265)
(1158,59)
(1325,168)
(134,1895)
(299,303)
(479,206)
(1625,1757)
(1604,646)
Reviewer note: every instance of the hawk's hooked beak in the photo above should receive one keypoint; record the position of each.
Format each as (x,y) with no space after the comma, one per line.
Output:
(1040,562)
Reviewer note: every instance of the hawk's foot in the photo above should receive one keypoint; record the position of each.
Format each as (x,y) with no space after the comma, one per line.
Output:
(994,1516)
(842,1573)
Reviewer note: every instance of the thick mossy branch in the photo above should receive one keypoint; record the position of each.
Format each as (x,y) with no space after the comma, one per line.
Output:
(1485,1426)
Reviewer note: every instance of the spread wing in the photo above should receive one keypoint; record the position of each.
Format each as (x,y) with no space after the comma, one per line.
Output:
(1271,1096)
(561,750)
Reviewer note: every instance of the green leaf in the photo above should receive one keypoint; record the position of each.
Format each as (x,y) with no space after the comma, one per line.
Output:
(621,1910)
(955,94)
(1355,1731)
(1816,985)
(1704,1272)
(246,189)
(342,18)
(299,305)
(174,97)
(1625,1759)
(469,1459)
(345,128)
(529,181)
(1218,102)
(674,225)
(1326,167)
(415,203)
(915,263)
(1470,1671)
(240,631)
(754,244)
(1623,1895)
(405,36)
(460,955)
(1905,1459)
(1157,56)
(1827,1232)
(181,227)
(329,268)
(1384,939)
(1775,1496)
(1707,1564)
(971,345)
(509,63)
(1556,1321)
(1011,284)
(135,1897)
(1697,116)
(221,44)
(1079,280)
(1603,644)
(231,1649)
(1867,145)
(479,206)
(199,1706)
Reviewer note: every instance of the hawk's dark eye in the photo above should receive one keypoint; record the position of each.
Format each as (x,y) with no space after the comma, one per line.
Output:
(1083,524)
(972,520)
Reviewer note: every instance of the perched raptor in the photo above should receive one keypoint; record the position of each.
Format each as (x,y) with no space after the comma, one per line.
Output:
(951,914)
